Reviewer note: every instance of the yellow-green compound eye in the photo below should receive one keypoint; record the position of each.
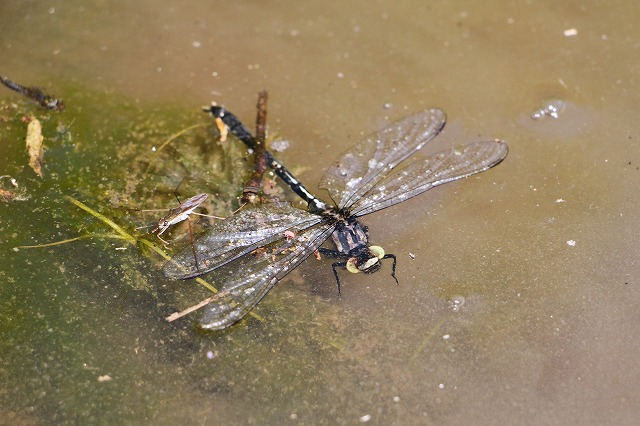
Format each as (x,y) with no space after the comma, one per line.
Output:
(377,251)
(351,265)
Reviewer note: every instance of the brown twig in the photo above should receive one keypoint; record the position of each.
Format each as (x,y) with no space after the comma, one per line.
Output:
(252,187)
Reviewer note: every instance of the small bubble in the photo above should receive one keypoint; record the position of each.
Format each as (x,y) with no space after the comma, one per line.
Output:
(456,303)
(552,108)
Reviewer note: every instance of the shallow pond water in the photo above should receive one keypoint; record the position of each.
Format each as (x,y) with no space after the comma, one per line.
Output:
(516,301)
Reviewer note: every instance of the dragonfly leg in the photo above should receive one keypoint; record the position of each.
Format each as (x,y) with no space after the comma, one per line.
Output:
(335,266)
(193,249)
(393,266)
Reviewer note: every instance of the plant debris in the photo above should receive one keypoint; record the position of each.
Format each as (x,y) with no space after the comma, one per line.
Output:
(35,146)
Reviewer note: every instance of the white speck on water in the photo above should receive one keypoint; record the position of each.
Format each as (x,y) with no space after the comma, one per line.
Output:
(365,418)
(571,32)
(571,243)
(560,200)
(196,43)
(340,75)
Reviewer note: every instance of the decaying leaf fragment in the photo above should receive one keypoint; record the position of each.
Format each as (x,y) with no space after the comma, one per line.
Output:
(222,128)
(35,146)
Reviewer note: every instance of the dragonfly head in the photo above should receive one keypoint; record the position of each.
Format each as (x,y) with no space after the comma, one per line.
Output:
(368,261)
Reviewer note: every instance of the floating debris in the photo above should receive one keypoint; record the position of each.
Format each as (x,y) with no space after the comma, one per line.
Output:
(7,196)
(280,145)
(35,146)
(35,93)
(571,32)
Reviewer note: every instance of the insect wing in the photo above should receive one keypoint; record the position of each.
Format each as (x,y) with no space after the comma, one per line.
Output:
(228,239)
(423,174)
(362,166)
(193,202)
(251,277)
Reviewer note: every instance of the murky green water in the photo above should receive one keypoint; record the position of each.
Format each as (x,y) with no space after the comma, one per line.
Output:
(519,307)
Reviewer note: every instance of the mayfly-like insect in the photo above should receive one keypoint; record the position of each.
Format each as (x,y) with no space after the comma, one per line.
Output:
(179,214)
(255,248)
(35,93)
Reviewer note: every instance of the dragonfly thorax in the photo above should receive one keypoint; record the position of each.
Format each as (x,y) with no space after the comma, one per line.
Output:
(350,237)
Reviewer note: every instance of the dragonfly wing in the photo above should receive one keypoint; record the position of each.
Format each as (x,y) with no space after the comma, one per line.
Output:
(360,167)
(228,239)
(249,279)
(425,173)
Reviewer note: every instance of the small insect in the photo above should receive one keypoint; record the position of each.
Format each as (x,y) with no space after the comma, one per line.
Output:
(35,93)
(179,214)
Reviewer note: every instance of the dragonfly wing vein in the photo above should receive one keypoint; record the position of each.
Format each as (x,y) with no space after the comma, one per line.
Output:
(360,167)
(228,239)
(425,173)
(257,276)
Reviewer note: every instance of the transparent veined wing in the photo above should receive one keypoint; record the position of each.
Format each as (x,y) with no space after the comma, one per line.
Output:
(425,173)
(250,278)
(360,167)
(252,227)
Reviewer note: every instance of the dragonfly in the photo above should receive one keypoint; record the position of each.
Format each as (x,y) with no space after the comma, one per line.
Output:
(254,249)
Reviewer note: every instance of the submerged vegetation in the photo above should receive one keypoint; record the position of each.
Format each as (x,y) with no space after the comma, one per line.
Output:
(103,162)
